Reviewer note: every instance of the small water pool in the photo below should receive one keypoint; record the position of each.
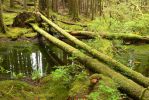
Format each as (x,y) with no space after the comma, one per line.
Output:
(26,57)
(136,57)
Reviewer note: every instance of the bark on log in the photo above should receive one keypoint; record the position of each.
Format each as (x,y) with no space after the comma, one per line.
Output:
(137,77)
(126,85)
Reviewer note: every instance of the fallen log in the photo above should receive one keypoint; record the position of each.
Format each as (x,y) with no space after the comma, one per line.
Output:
(85,33)
(137,77)
(128,86)
(71,23)
(12,11)
(78,37)
(111,35)
(30,4)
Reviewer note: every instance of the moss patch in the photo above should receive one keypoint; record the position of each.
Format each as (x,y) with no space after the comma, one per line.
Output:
(16,32)
(8,18)
(30,35)
(12,90)
(103,45)
(105,89)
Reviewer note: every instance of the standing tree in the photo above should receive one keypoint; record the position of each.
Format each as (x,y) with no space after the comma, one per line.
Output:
(2,26)
(36,3)
(55,5)
(93,9)
(44,6)
(25,4)
(75,9)
(11,3)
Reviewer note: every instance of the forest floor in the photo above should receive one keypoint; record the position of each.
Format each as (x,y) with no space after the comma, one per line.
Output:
(62,80)
(48,87)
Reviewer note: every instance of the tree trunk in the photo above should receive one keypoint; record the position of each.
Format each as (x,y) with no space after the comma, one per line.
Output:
(11,3)
(2,26)
(126,85)
(55,5)
(36,4)
(93,9)
(44,6)
(75,10)
(139,78)
(25,4)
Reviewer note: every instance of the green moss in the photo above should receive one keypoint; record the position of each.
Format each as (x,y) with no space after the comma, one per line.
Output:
(54,90)
(16,90)
(103,45)
(16,32)
(69,27)
(8,18)
(2,35)
(98,25)
(55,87)
(105,89)
(30,35)
(80,86)
(46,79)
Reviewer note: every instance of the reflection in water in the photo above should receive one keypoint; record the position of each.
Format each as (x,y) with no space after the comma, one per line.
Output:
(136,57)
(36,61)
(28,58)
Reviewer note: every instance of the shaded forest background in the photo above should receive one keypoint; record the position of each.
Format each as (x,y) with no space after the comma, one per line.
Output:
(118,16)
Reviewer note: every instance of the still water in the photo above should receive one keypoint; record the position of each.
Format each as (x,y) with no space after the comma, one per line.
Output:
(26,57)
(136,57)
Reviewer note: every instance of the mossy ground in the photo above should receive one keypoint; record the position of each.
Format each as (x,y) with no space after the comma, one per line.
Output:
(66,82)
(15,32)
(50,90)
(17,90)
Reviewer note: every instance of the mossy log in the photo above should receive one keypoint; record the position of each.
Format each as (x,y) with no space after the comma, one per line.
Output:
(71,23)
(137,77)
(111,36)
(84,33)
(128,86)
(78,37)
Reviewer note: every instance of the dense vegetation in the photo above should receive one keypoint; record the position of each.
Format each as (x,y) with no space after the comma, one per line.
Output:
(104,41)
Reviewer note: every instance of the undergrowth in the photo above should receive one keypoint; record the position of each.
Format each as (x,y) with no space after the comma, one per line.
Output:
(104,91)
(102,45)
